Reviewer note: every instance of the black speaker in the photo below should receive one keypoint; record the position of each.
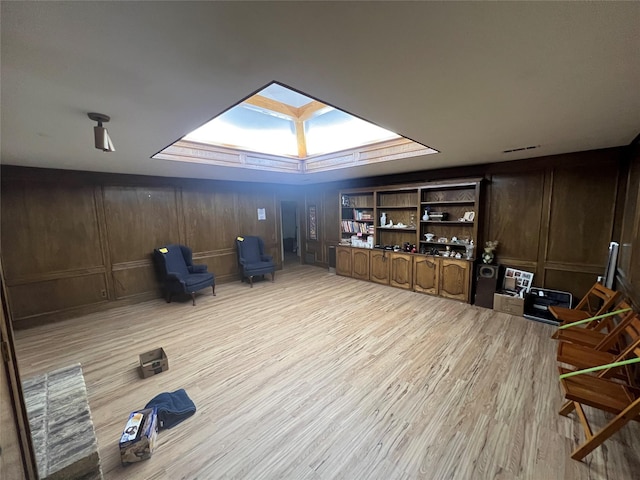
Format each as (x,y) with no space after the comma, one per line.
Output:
(486,284)
(487,271)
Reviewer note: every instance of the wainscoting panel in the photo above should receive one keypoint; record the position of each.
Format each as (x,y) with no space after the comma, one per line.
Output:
(48,227)
(139,219)
(210,219)
(55,295)
(134,278)
(582,214)
(223,263)
(577,283)
(515,214)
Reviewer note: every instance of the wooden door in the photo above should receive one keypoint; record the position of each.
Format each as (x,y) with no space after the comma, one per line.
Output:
(360,263)
(401,270)
(426,274)
(379,266)
(343,261)
(455,278)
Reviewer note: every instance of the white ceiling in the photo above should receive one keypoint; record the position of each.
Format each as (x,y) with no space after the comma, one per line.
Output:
(468,79)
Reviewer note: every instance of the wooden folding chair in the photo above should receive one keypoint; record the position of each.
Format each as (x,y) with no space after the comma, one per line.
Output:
(598,300)
(583,357)
(618,398)
(596,337)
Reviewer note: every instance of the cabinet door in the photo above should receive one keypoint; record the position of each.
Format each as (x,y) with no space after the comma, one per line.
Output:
(454,279)
(401,270)
(379,266)
(360,263)
(426,274)
(343,261)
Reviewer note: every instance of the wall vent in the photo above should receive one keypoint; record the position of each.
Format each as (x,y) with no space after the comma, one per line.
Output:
(521,149)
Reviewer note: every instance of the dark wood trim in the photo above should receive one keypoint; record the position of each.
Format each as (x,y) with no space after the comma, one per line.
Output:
(104,243)
(545,218)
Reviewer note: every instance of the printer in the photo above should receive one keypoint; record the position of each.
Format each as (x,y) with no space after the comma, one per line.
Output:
(538,301)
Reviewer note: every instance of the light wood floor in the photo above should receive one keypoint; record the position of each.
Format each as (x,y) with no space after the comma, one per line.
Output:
(317,376)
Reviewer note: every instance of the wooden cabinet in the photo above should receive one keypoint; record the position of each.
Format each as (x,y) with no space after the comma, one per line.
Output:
(360,263)
(455,279)
(426,274)
(343,261)
(447,277)
(379,266)
(401,270)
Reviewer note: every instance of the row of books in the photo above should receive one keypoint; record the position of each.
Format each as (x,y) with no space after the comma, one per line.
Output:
(362,215)
(356,227)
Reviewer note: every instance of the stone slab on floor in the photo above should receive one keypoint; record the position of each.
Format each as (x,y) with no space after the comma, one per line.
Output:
(62,430)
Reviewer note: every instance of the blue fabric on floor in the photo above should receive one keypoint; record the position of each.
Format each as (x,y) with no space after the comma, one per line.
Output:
(173,408)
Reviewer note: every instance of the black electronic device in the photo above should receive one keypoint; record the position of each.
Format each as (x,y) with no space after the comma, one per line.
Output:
(538,301)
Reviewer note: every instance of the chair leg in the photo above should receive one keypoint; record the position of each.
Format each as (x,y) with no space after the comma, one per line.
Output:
(193,298)
(168,297)
(594,441)
(251,281)
(273,276)
(213,289)
(567,408)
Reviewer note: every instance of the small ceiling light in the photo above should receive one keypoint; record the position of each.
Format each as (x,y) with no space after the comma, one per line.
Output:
(102,140)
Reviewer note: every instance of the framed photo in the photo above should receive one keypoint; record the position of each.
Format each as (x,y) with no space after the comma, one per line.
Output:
(312,223)
(523,280)
(469,216)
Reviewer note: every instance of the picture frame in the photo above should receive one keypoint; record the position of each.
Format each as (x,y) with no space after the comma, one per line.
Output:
(469,216)
(312,223)
(523,280)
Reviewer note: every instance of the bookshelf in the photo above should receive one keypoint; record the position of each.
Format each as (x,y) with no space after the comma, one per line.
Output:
(394,216)
(357,214)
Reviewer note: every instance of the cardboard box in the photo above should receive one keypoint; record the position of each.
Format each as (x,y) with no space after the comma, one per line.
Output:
(508,304)
(139,436)
(152,362)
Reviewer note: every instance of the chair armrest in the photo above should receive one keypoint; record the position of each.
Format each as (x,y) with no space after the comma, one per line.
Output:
(197,268)
(266,258)
(174,277)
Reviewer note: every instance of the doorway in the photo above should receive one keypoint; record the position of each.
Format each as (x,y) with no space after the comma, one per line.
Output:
(289,234)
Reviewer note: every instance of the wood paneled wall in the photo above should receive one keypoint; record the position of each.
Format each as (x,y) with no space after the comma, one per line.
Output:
(556,219)
(74,242)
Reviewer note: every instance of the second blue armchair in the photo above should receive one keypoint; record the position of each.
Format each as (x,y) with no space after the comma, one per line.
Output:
(252,259)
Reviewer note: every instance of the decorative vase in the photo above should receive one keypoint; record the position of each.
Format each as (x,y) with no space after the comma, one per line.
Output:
(383,219)
(488,255)
(425,217)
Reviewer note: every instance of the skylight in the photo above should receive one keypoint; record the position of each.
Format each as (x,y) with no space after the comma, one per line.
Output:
(278,125)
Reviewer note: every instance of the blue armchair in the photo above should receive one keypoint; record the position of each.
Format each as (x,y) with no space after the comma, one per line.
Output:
(178,274)
(252,259)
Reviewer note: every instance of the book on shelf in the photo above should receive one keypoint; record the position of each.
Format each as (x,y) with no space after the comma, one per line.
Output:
(362,215)
(349,226)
